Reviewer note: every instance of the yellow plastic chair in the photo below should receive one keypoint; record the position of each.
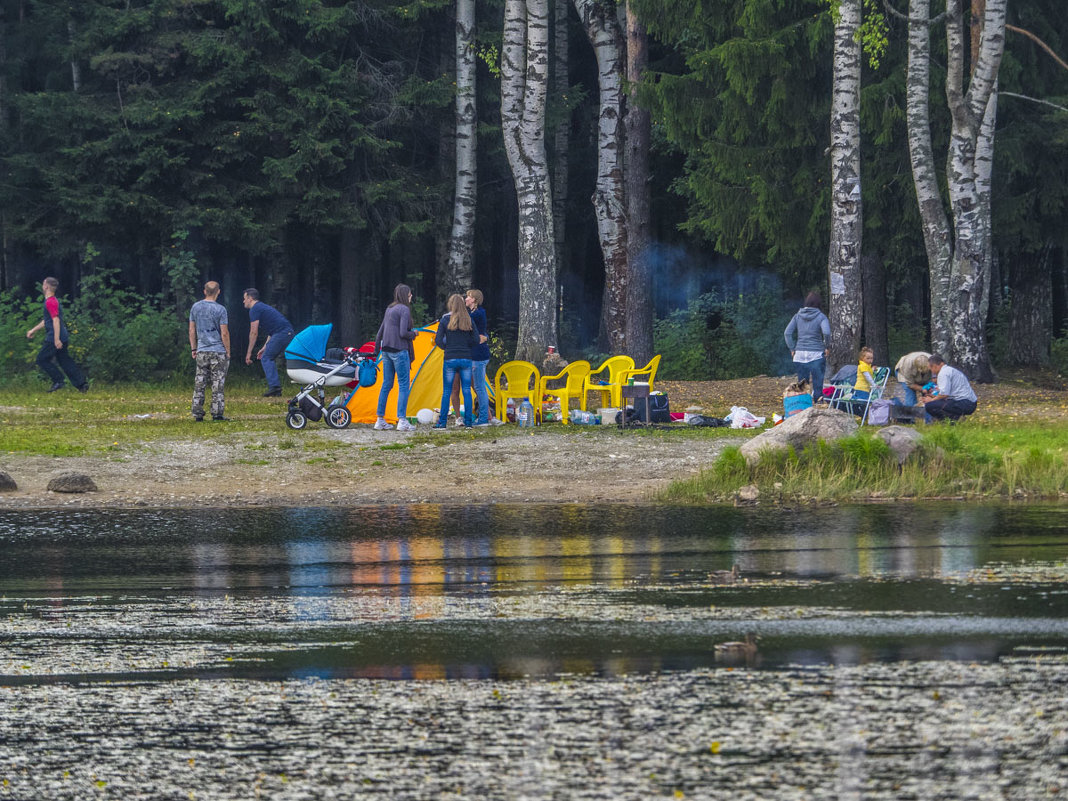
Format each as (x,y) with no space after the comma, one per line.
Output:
(522,380)
(647,373)
(574,375)
(605,380)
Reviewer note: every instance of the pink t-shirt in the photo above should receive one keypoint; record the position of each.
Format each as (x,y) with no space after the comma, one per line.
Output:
(52,306)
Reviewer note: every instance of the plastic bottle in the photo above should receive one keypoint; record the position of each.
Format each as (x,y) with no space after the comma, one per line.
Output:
(510,412)
(525,414)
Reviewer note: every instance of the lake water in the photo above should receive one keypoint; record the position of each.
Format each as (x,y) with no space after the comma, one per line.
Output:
(504,591)
(530,651)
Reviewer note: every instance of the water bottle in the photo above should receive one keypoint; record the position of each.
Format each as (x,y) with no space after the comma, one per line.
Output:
(525,414)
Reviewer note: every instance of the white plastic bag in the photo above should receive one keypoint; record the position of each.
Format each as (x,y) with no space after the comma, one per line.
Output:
(741,417)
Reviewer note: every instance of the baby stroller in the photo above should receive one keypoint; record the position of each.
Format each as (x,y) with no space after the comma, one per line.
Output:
(308,362)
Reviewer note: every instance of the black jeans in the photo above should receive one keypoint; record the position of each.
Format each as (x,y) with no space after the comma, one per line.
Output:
(48,358)
(952,408)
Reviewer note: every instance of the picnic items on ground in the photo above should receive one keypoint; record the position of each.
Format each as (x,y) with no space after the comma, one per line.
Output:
(796,397)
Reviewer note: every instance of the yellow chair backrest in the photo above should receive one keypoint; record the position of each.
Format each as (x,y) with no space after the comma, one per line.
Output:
(647,373)
(575,373)
(605,379)
(520,380)
(614,365)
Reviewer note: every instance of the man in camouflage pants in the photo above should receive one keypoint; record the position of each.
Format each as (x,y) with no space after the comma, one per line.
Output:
(209,338)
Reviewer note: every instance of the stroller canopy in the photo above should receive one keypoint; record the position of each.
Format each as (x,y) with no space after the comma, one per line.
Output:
(310,344)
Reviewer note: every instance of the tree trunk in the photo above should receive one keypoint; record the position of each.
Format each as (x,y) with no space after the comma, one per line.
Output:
(75,67)
(1031,325)
(562,134)
(876,326)
(935,223)
(959,255)
(524,86)
(843,260)
(603,29)
(971,153)
(459,273)
(640,313)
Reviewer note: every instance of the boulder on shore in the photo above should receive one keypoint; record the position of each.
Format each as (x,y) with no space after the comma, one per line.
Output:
(902,440)
(71,482)
(7,483)
(799,430)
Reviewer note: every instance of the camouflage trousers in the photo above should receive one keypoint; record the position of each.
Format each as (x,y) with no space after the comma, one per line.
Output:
(211,368)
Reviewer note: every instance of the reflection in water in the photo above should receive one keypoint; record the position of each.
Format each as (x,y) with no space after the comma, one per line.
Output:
(431,591)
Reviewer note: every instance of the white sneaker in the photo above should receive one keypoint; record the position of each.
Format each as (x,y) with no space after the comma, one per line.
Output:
(382,425)
(404,425)
(495,422)
(459,422)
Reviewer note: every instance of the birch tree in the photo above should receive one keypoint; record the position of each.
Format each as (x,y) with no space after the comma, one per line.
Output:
(524,87)
(958,244)
(459,273)
(562,133)
(843,260)
(606,36)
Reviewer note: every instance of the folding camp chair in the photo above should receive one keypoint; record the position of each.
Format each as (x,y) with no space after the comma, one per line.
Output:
(843,395)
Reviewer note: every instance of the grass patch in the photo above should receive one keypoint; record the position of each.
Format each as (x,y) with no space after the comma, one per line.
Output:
(397,446)
(1024,461)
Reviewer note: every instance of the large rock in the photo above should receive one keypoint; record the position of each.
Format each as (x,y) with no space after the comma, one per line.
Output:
(71,482)
(903,441)
(7,483)
(799,430)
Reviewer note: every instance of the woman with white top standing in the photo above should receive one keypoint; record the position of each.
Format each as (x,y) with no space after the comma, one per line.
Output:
(808,336)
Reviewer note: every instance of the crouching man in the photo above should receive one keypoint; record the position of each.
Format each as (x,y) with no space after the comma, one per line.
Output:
(954,397)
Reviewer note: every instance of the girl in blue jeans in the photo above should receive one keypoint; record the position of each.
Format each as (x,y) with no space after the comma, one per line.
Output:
(456,336)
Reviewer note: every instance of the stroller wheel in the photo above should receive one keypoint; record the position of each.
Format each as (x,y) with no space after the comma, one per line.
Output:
(296,420)
(338,417)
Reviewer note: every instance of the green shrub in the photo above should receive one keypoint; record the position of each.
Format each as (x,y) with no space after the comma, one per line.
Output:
(717,338)
(115,333)
(1059,355)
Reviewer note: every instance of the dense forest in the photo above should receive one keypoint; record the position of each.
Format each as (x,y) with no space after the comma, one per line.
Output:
(615,175)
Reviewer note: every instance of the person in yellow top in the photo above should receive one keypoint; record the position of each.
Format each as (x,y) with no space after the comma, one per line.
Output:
(865,378)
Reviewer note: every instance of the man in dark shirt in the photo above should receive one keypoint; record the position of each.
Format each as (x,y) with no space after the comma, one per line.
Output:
(267,320)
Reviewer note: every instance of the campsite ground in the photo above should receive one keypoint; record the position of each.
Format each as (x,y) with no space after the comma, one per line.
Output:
(141,450)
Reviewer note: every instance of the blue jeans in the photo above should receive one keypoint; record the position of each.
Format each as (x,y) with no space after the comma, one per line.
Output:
(271,351)
(478,379)
(454,367)
(814,372)
(910,396)
(400,365)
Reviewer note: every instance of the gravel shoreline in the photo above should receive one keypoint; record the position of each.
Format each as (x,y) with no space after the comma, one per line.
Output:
(361,466)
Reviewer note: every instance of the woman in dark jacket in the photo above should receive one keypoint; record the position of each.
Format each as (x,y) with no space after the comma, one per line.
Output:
(808,336)
(394,340)
(457,337)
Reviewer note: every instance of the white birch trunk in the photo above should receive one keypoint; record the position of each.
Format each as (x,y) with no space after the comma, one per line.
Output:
(959,253)
(972,113)
(933,219)
(562,134)
(843,259)
(75,67)
(606,36)
(459,274)
(524,87)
